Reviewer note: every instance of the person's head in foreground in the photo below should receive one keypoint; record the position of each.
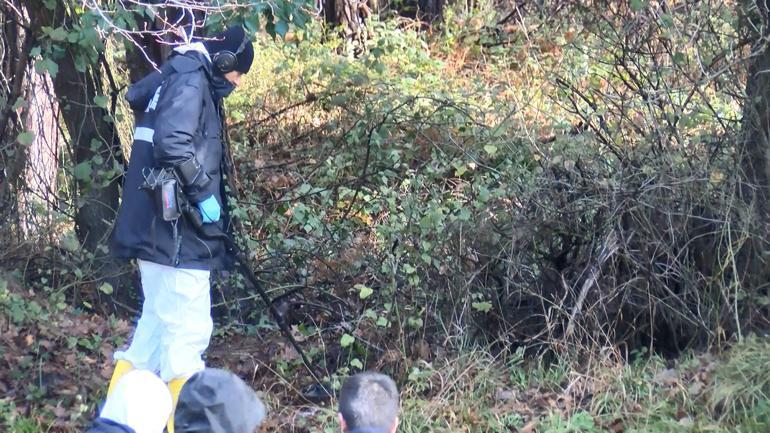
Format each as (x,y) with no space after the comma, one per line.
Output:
(140,403)
(217,401)
(369,404)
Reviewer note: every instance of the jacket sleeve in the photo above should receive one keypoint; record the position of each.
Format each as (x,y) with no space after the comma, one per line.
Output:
(177,121)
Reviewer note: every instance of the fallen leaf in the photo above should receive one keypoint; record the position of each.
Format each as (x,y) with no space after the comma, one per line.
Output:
(616,426)
(505,394)
(288,353)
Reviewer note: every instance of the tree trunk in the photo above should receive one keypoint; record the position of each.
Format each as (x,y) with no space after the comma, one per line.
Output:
(140,55)
(95,149)
(95,145)
(755,155)
(148,48)
(16,45)
(430,11)
(350,16)
(754,151)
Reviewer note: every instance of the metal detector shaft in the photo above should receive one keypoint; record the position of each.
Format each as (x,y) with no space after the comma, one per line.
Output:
(213,232)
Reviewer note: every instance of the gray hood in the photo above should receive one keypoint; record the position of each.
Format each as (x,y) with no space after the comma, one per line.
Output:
(217,401)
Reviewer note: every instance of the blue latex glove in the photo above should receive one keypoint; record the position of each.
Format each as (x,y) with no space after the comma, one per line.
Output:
(210,209)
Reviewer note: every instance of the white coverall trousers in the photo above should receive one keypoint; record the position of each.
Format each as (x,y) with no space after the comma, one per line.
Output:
(175,327)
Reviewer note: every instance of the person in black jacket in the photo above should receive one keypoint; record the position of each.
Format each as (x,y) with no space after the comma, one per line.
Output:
(369,404)
(179,127)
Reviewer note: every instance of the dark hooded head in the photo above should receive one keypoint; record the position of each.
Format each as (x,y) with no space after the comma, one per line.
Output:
(217,401)
(235,41)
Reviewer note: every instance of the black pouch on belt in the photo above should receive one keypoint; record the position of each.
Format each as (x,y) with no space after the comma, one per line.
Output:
(163,186)
(168,199)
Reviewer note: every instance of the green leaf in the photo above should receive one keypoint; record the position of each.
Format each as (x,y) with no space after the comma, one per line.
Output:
(484,307)
(80,63)
(83,170)
(25,138)
(637,5)
(148,12)
(667,20)
(300,19)
(382,322)
(357,364)
(70,243)
(252,22)
(34,52)
(363,291)
(58,34)
(89,38)
(106,288)
(304,189)
(359,80)
(47,65)
(347,340)
(19,104)
(414,322)
(490,149)
(95,144)
(281,27)
(339,100)
(101,101)
(679,58)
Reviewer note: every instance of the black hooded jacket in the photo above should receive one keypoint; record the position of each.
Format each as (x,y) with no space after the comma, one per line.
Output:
(178,117)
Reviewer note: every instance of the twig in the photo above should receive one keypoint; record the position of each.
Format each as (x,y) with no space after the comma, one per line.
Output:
(608,249)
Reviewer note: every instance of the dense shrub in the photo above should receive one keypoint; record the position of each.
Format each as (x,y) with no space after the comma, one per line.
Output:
(531,191)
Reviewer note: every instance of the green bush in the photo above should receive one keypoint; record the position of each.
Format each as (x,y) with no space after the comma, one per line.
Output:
(461,206)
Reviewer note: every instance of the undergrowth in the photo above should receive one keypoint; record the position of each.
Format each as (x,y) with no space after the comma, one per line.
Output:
(446,185)
(467,390)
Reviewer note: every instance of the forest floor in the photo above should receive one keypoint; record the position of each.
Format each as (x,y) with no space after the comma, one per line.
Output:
(55,364)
